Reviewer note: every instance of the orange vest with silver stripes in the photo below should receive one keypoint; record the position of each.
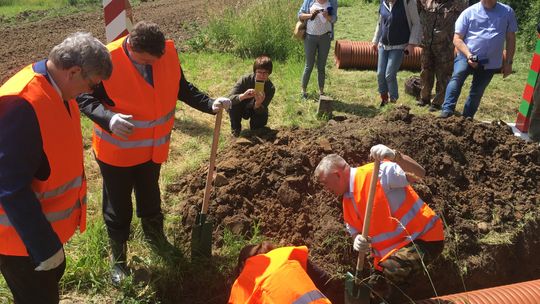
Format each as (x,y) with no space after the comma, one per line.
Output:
(63,194)
(398,217)
(278,276)
(152,108)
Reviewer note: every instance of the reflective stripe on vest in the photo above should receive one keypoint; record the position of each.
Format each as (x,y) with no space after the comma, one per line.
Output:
(62,195)
(399,210)
(151,106)
(152,123)
(309,297)
(410,238)
(127,144)
(51,216)
(74,183)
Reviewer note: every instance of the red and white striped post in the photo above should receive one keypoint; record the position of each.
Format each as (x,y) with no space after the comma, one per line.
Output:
(118,18)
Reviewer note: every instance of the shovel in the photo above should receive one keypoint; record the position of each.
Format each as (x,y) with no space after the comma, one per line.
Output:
(201,235)
(355,291)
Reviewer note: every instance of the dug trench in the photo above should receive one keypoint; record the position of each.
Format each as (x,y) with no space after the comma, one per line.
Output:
(481,179)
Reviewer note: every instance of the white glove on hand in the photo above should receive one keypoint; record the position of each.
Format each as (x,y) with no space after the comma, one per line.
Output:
(380,152)
(120,125)
(361,244)
(221,103)
(51,262)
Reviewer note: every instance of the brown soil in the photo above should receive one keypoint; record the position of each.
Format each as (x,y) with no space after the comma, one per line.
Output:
(26,42)
(480,178)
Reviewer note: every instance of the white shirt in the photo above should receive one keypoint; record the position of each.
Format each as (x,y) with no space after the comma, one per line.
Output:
(319,25)
(391,176)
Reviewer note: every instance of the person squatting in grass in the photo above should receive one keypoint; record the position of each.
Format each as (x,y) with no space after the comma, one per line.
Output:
(266,274)
(247,102)
(404,232)
(133,115)
(42,182)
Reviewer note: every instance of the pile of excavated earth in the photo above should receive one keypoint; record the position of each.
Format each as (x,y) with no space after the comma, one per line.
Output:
(481,179)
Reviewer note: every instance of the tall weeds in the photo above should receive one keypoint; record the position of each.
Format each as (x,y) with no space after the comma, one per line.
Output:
(264,27)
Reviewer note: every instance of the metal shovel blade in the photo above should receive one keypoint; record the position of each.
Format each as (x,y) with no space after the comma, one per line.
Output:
(201,238)
(356,293)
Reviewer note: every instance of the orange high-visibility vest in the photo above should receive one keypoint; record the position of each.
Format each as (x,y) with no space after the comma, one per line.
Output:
(63,194)
(398,217)
(152,108)
(278,276)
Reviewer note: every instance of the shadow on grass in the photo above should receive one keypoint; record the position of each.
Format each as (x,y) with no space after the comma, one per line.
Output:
(355,109)
(192,127)
(179,280)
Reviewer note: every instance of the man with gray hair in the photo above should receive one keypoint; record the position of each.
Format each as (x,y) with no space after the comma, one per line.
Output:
(42,182)
(404,232)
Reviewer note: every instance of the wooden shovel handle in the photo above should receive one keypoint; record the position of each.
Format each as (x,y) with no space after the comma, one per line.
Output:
(367,216)
(213,152)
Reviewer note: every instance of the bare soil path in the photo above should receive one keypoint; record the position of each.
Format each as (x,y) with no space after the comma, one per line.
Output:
(27,42)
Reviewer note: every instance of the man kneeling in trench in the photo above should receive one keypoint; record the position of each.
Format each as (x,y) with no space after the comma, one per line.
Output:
(405,234)
(267,274)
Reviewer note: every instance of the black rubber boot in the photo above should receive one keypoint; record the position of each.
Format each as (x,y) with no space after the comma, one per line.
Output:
(119,269)
(154,235)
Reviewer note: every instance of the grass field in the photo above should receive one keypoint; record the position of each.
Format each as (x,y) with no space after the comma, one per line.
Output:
(86,278)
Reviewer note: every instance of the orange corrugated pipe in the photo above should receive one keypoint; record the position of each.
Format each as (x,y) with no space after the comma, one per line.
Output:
(519,293)
(359,55)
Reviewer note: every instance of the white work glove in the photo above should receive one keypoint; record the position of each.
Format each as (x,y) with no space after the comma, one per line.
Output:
(120,125)
(51,262)
(221,103)
(360,244)
(380,152)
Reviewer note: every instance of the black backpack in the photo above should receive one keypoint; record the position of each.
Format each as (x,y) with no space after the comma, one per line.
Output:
(413,85)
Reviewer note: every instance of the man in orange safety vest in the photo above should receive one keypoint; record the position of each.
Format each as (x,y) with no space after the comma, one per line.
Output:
(404,232)
(42,182)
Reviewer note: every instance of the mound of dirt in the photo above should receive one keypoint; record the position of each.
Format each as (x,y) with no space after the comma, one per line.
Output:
(481,179)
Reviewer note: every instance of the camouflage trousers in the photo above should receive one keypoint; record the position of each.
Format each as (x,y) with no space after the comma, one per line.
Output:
(403,266)
(436,61)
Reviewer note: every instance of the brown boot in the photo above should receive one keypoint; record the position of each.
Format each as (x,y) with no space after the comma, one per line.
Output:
(384,99)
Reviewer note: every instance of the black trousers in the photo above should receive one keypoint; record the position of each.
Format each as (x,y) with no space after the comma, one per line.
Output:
(243,110)
(29,286)
(118,185)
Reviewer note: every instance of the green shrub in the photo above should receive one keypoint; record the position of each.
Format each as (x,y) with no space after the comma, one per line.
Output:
(265,27)
(6,2)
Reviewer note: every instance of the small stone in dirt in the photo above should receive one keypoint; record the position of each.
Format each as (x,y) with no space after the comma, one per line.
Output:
(325,145)
(483,227)
(243,141)
(220,180)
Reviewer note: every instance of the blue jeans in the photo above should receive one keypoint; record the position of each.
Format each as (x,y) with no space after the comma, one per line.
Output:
(387,67)
(319,45)
(481,79)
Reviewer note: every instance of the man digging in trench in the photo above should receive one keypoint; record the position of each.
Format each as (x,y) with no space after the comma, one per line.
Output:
(405,234)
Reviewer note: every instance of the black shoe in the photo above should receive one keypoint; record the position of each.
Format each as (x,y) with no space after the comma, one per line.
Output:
(119,272)
(434,108)
(383,103)
(155,236)
(235,132)
(422,102)
(445,114)
(119,269)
